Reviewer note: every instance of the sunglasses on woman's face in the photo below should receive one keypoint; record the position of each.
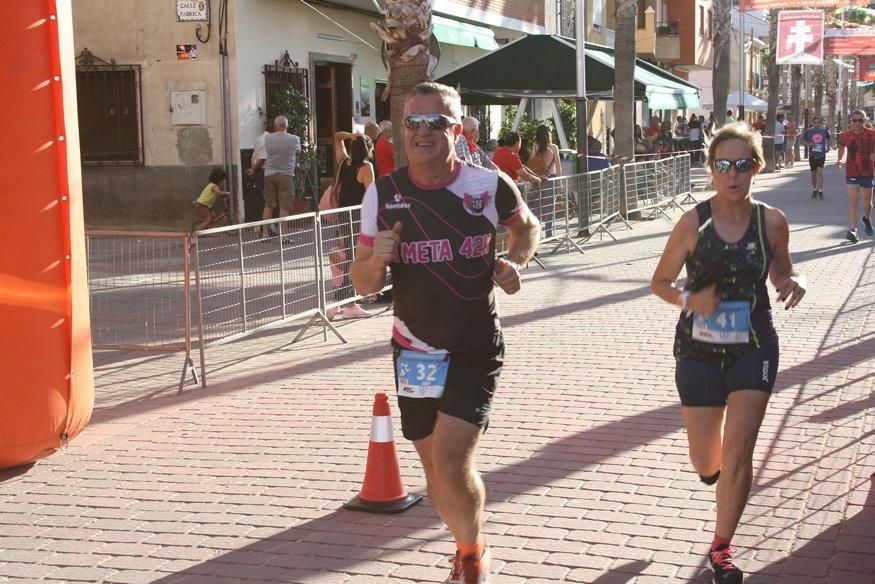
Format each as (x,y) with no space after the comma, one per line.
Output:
(742,165)
(432,121)
(857,120)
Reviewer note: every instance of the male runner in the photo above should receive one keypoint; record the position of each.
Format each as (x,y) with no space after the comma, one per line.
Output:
(434,224)
(859,171)
(817,138)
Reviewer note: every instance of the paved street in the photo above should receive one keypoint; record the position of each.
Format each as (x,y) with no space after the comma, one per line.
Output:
(585,462)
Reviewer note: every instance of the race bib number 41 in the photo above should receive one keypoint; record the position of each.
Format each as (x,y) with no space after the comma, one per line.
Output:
(730,324)
(422,374)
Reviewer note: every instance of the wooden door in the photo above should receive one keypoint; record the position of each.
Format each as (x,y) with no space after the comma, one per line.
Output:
(333,109)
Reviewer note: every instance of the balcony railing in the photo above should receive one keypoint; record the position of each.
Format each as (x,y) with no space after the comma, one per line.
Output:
(667,28)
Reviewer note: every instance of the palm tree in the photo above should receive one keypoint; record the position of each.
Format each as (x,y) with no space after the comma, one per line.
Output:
(720,70)
(774,81)
(795,91)
(817,81)
(831,95)
(406,30)
(624,82)
(624,73)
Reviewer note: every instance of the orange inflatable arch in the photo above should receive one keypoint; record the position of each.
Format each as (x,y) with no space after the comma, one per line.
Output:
(46,375)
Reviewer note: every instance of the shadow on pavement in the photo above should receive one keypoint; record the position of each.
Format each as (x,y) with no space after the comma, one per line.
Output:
(844,544)
(16,471)
(314,546)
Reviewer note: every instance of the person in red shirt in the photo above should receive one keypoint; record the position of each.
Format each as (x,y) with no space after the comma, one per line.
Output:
(384,150)
(859,141)
(760,124)
(507,159)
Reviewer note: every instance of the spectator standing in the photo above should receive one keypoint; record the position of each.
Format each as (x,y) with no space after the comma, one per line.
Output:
(760,124)
(697,139)
(545,161)
(665,135)
(817,139)
(354,175)
(681,134)
(384,150)
(279,171)
(372,131)
(791,131)
(642,145)
(446,321)
(780,135)
(652,131)
(730,117)
(507,159)
(467,148)
(259,157)
(859,142)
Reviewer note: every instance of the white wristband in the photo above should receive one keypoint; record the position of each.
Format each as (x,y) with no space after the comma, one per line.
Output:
(683,299)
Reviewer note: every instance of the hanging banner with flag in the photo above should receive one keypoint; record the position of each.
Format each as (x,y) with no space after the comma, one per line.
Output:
(779,4)
(850,41)
(800,37)
(866,69)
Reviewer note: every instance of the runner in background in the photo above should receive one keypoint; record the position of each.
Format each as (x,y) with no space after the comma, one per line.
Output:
(726,346)
(859,141)
(817,138)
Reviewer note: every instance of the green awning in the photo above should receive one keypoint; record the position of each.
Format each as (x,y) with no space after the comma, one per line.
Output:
(463,34)
(662,89)
(544,66)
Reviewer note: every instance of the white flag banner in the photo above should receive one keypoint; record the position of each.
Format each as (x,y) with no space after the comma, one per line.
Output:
(800,37)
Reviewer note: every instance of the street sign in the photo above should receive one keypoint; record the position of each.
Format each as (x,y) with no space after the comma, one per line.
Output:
(800,37)
(850,41)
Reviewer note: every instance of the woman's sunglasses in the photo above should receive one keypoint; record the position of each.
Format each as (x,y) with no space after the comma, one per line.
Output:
(433,121)
(742,165)
(858,120)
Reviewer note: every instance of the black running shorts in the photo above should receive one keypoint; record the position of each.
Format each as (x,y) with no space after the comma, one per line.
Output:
(814,163)
(709,383)
(471,382)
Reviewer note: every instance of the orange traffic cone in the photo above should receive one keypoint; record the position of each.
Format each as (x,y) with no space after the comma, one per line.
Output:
(382,491)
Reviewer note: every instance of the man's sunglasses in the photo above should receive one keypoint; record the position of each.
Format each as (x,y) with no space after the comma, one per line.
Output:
(433,121)
(742,165)
(858,120)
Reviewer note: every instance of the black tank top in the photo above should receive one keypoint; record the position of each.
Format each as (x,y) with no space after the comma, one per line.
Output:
(351,190)
(740,270)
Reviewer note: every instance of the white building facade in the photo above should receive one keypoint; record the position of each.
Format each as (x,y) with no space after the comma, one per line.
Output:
(184,109)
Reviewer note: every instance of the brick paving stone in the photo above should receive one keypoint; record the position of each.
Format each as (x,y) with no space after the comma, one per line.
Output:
(585,460)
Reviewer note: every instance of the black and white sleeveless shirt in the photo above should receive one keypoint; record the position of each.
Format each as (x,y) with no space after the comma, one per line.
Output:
(442,275)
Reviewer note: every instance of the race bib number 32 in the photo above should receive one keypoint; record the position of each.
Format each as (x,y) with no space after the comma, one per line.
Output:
(422,374)
(730,324)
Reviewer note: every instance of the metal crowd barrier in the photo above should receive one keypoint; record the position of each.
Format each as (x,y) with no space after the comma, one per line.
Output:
(139,292)
(144,285)
(338,235)
(653,185)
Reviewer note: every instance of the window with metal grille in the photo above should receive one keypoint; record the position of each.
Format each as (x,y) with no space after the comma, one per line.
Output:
(284,75)
(110,120)
(567,18)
